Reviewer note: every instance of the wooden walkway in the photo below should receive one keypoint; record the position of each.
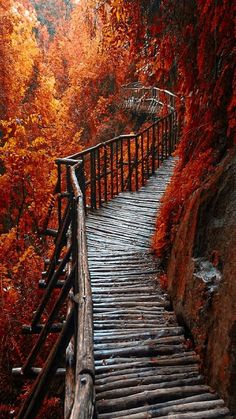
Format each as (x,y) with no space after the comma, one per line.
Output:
(136,362)
(143,367)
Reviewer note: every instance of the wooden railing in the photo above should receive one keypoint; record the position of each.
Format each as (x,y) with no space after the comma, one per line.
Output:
(125,162)
(85,181)
(150,100)
(70,251)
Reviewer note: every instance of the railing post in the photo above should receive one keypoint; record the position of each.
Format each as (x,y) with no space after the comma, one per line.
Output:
(158,144)
(153,148)
(75,264)
(122,165)
(129,166)
(82,181)
(171,133)
(93,179)
(162,140)
(68,184)
(105,172)
(148,152)
(112,170)
(117,167)
(142,160)
(166,136)
(59,192)
(176,128)
(99,177)
(74,240)
(136,162)
(70,350)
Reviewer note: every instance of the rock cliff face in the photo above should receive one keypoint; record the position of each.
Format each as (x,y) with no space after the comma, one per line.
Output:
(202,276)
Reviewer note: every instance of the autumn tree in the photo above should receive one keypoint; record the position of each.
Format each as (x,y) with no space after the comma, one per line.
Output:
(88,77)
(19,51)
(29,145)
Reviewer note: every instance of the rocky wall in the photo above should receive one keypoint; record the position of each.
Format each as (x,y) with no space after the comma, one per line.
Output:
(202,276)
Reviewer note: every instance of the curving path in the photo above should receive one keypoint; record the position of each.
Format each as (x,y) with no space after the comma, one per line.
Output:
(144,368)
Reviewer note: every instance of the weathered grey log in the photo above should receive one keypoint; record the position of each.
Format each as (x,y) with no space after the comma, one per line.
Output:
(108,304)
(148,377)
(145,362)
(118,298)
(125,325)
(135,316)
(216,413)
(145,350)
(69,379)
(83,406)
(70,350)
(194,408)
(134,311)
(204,397)
(183,357)
(123,290)
(165,372)
(84,401)
(150,396)
(141,342)
(139,388)
(155,332)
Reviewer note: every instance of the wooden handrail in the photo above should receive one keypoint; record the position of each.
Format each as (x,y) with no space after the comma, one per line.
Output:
(77,281)
(126,162)
(152,88)
(137,98)
(84,399)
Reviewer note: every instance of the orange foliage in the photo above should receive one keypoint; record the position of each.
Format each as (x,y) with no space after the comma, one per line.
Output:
(61,70)
(58,91)
(202,47)
(18,52)
(163,281)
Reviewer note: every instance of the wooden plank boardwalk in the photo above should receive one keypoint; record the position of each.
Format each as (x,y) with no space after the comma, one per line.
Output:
(143,367)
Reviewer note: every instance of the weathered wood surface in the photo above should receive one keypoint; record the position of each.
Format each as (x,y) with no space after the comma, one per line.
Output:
(83,406)
(143,367)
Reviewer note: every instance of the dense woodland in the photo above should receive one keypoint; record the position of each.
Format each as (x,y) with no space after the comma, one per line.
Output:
(63,63)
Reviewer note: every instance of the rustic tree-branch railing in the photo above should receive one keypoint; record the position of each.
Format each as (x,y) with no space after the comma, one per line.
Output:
(79,320)
(85,181)
(125,162)
(149,100)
